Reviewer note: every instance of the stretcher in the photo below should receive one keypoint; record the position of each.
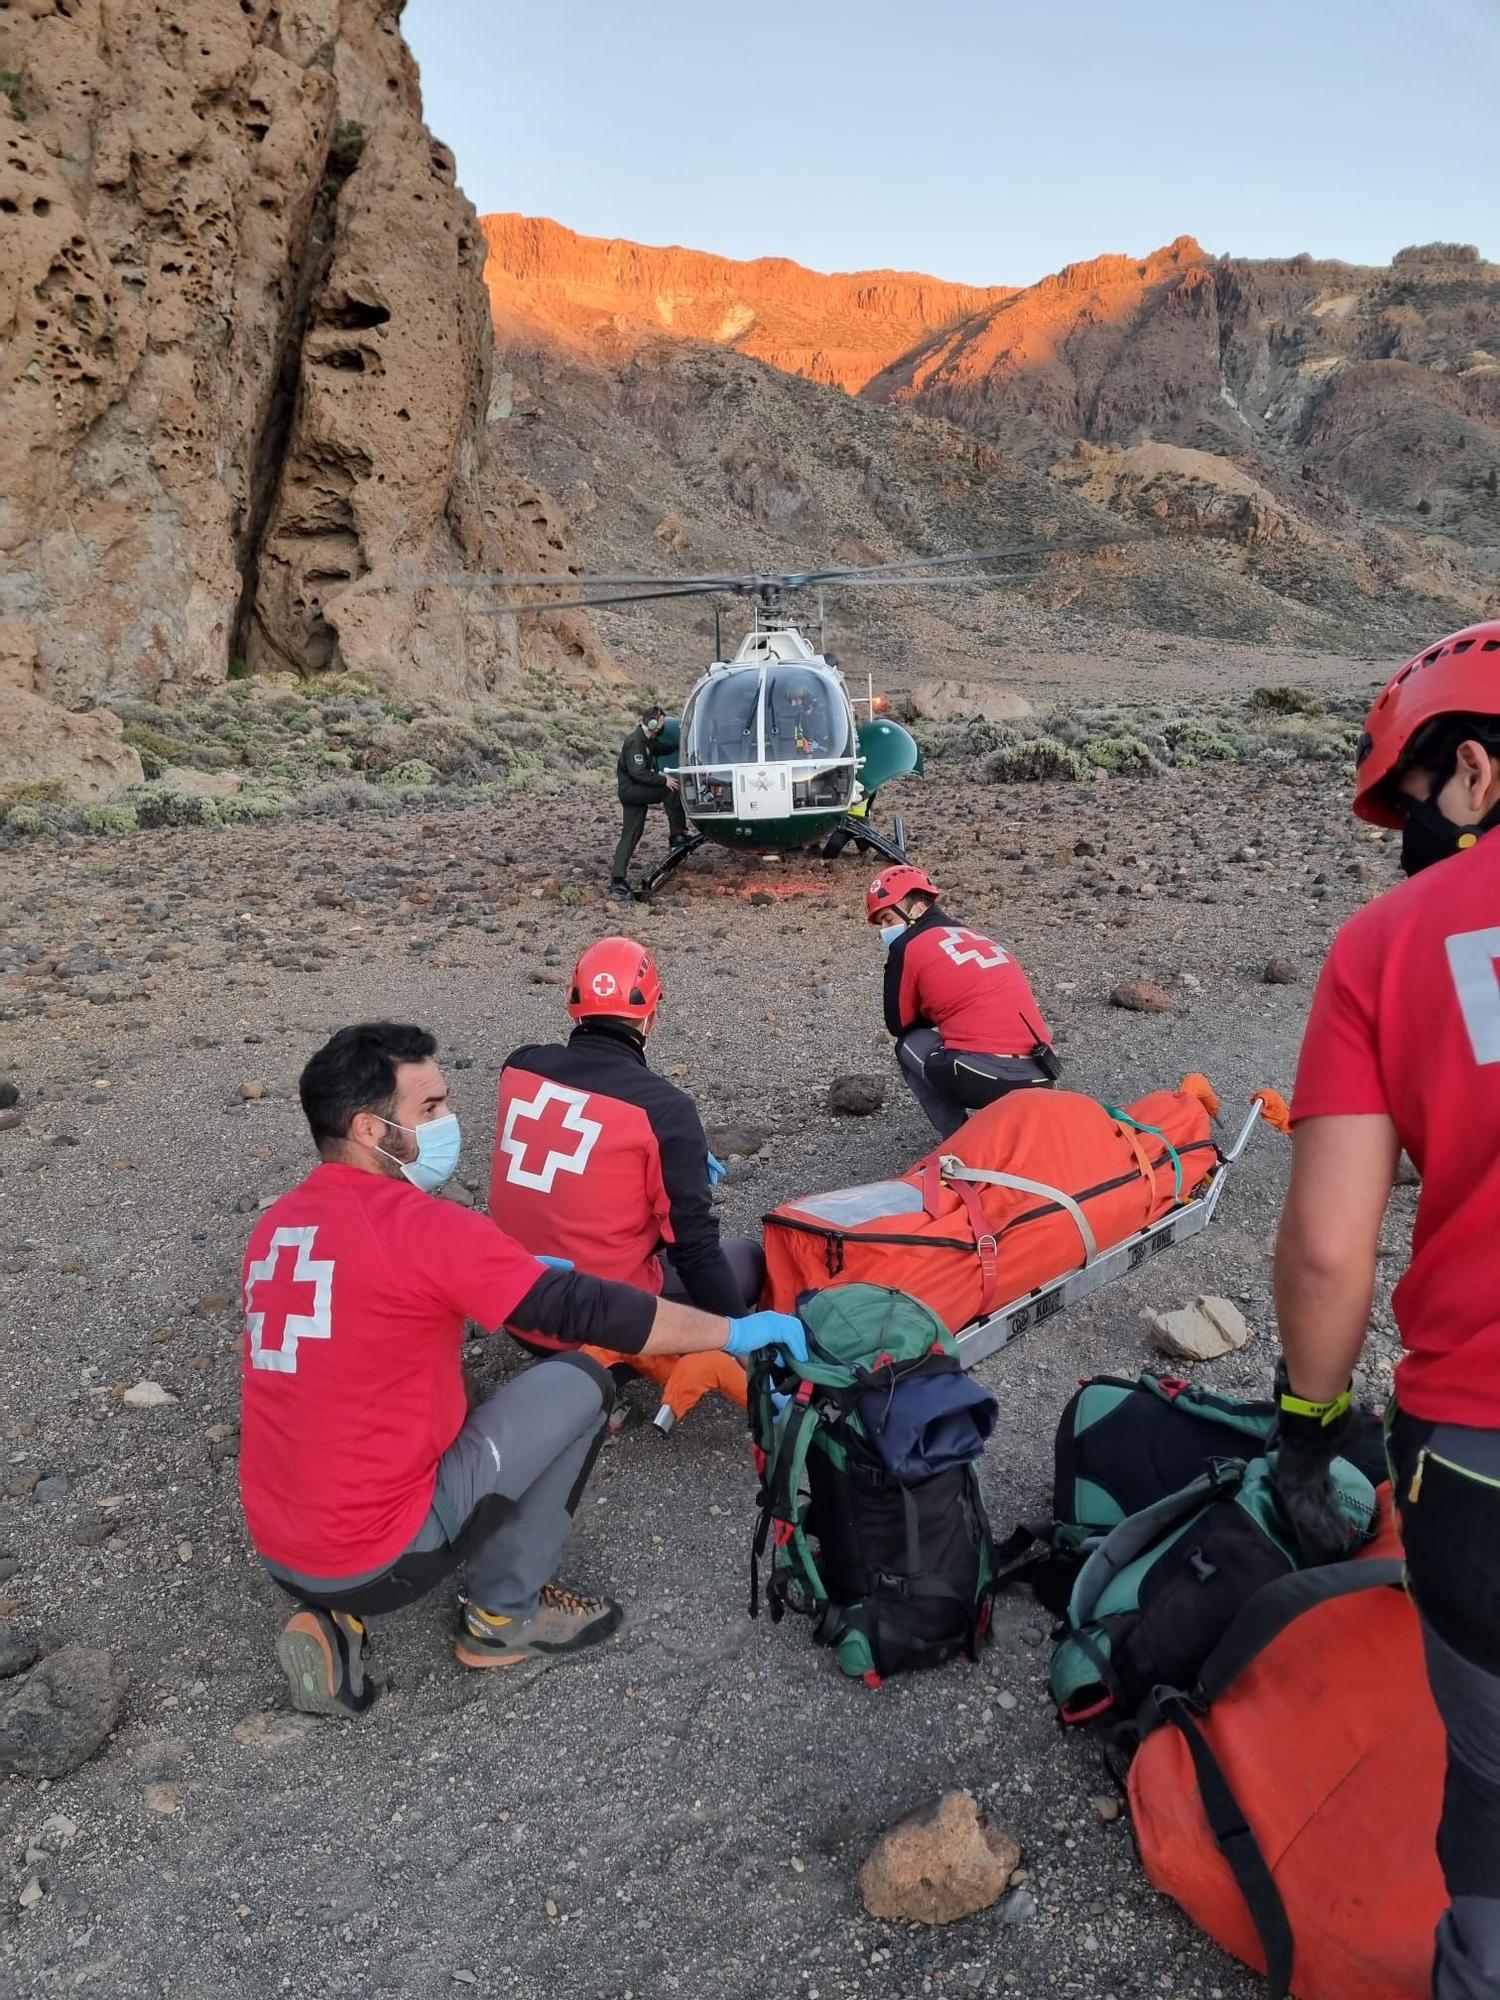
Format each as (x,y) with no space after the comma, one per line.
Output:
(986,1336)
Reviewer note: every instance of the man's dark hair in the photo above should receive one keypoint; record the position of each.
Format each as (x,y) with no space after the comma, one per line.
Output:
(1434,748)
(652,713)
(356,1071)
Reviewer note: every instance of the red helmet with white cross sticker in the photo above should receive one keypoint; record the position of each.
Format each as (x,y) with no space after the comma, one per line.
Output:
(615,979)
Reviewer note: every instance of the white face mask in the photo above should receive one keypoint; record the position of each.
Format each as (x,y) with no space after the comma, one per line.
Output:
(890,932)
(438,1145)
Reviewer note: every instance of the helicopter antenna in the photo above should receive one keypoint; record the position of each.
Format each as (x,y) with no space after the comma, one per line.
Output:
(822,623)
(718,635)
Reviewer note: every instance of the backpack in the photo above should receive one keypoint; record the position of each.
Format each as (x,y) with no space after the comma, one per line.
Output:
(1309,1725)
(1157,1592)
(869,1497)
(1120,1445)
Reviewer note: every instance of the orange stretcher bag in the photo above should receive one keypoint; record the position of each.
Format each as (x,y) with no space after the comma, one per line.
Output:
(1290,1804)
(1018,1196)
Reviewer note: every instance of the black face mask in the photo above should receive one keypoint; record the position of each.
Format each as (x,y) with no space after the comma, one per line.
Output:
(1428,836)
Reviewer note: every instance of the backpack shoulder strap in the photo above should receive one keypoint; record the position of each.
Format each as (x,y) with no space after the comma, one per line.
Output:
(1241,1852)
(1131,1538)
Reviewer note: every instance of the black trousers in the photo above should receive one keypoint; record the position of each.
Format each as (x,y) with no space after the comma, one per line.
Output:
(635,825)
(950,1083)
(1447,1485)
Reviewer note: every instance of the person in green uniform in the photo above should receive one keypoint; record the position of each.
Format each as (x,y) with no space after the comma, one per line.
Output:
(640,786)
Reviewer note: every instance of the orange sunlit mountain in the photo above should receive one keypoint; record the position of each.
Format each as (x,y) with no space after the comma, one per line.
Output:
(601,297)
(1310,448)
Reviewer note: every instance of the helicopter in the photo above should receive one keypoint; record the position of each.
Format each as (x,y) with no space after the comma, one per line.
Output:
(772,753)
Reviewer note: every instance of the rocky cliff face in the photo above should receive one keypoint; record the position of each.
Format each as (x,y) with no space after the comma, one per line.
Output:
(603,298)
(244,355)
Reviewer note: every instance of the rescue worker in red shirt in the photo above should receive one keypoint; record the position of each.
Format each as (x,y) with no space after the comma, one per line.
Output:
(600,1160)
(1402,1049)
(967,1026)
(365,1477)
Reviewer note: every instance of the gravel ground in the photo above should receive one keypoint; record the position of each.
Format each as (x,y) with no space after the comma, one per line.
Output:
(685,1811)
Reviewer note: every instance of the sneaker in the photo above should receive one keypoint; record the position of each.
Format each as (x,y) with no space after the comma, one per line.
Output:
(323,1654)
(621,891)
(562,1624)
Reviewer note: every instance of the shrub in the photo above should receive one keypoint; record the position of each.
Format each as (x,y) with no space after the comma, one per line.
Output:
(1128,756)
(25,820)
(109,819)
(247,806)
(1030,759)
(30,792)
(155,744)
(165,805)
(411,774)
(1284,700)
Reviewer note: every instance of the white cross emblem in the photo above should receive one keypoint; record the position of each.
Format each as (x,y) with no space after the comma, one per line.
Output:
(603,984)
(968,948)
(316,1324)
(559,1160)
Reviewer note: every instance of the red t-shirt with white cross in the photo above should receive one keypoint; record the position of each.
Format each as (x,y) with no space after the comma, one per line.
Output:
(1406,1021)
(356,1290)
(970,989)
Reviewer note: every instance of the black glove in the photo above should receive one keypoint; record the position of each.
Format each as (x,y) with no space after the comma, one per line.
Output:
(1306,1440)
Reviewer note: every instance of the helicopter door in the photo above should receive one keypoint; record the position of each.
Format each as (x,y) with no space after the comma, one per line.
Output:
(762,791)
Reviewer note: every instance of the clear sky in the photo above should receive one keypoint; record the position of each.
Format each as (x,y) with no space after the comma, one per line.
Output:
(985,140)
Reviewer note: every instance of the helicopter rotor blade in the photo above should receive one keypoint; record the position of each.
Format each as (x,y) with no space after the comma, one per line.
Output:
(747,583)
(1021,549)
(565,580)
(612,601)
(936,582)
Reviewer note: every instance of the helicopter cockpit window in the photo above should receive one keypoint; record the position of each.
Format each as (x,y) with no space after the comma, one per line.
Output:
(719,726)
(804,716)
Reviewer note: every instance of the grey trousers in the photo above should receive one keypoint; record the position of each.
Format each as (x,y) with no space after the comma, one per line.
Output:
(747,1266)
(523,1458)
(950,1083)
(1453,1565)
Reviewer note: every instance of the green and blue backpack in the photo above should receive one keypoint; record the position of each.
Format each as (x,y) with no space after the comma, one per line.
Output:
(870,1506)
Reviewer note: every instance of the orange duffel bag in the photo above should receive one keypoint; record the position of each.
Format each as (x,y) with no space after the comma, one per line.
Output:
(1290,1804)
(1018,1196)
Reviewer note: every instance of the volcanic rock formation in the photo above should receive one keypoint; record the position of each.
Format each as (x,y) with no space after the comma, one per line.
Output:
(244,356)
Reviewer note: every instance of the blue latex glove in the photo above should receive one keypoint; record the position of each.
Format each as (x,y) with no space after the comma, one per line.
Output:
(767,1329)
(557,1263)
(716,1171)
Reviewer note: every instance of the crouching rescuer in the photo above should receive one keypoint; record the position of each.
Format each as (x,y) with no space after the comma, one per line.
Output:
(967,1026)
(366,1478)
(1403,1050)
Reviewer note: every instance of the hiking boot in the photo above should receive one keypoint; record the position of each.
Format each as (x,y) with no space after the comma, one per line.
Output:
(322,1654)
(621,891)
(562,1624)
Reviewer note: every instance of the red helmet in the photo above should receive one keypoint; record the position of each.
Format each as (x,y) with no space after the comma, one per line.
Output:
(1460,675)
(891,884)
(615,978)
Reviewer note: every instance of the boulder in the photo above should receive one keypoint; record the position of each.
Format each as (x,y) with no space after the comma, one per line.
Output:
(61,1713)
(1200,1331)
(1280,972)
(942,1862)
(855,1096)
(1142,996)
(737,1142)
(84,754)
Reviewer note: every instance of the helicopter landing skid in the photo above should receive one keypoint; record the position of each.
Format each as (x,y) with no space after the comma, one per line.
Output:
(673,858)
(868,839)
